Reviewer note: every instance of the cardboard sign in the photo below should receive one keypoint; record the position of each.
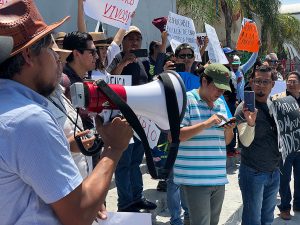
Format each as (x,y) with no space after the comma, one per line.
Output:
(215,52)
(287,117)
(127,218)
(151,131)
(248,39)
(181,30)
(113,12)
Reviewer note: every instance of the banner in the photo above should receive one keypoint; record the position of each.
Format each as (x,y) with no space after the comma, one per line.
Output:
(215,52)
(181,30)
(287,117)
(125,80)
(249,38)
(113,12)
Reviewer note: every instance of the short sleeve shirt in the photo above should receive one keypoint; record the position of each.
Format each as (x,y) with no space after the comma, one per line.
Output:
(36,167)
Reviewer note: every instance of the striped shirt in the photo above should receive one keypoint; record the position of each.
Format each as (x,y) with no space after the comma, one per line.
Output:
(201,160)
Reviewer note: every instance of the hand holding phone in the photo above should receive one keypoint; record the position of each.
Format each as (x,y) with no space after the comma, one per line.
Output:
(140,52)
(249,100)
(230,121)
(179,67)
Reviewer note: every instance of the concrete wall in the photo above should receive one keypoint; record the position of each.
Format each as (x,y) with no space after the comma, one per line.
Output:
(147,10)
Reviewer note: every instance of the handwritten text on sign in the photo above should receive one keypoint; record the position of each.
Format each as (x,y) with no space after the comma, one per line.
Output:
(182,30)
(288,124)
(248,39)
(114,12)
(151,131)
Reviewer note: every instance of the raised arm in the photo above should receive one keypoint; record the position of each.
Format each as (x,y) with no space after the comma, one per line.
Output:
(81,26)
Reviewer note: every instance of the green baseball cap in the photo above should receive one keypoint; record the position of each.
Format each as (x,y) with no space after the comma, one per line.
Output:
(220,75)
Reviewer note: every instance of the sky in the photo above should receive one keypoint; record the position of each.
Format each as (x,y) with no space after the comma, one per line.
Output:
(289,1)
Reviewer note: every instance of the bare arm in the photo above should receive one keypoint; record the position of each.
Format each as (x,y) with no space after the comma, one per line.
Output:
(164,38)
(119,36)
(188,132)
(81,26)
(247,129)
(127,59)
(82,205)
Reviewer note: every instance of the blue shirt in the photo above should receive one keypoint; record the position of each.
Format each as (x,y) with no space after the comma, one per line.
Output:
(201,160)
(36,167)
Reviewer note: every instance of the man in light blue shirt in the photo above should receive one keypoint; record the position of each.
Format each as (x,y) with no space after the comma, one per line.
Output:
(39,182)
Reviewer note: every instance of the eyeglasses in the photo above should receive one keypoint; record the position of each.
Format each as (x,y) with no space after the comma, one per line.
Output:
(262,82)
(292,82)
(184,56)
(92,51)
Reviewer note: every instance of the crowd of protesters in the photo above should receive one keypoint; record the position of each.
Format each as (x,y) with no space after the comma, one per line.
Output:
(46,179)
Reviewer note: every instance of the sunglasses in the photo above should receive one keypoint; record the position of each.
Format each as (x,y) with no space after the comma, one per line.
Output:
(262,82)
(184,56)
(92,51)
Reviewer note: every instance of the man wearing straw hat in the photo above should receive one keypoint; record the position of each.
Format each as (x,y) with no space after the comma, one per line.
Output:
(39,182)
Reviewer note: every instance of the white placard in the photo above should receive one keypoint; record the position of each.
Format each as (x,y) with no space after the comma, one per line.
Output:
(215,52)
(113,12)
(126,218)
(151,131)
(280,86)
(125,80)
(181,30)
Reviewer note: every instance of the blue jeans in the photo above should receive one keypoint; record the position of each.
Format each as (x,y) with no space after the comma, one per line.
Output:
(292,161)
(259,192)
(128,176)
(175,201)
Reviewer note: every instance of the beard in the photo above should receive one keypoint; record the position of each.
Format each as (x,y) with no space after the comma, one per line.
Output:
(46,90)
(260,94)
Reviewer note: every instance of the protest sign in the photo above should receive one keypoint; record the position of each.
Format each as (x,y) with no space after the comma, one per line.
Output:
(248,39)
(151,131)
(124,218)
(125,80)
(280,86)
(287,117)
(215,52)
(181,30)
(113,12)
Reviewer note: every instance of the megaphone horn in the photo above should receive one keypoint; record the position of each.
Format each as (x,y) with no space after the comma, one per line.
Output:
(147,100)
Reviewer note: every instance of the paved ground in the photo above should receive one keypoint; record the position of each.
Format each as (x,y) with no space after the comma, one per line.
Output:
(232,207)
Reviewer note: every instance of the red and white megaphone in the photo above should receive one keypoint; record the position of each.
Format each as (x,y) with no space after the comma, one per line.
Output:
(146,100)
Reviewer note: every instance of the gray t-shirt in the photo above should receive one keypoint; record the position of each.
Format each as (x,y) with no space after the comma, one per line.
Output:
(262,154)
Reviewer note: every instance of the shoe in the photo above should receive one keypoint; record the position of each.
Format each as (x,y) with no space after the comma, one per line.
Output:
(130,208)
(285,215)
(145,204)
(162,186)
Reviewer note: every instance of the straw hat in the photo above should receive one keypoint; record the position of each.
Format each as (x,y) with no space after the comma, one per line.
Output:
(99,39)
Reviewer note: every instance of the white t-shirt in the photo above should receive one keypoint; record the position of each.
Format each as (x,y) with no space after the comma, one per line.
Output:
(83,163)
(112,51)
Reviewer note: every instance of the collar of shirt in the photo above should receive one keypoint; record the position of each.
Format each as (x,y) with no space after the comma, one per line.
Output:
(13,87)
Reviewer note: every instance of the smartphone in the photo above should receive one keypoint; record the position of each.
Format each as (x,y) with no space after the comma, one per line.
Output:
(140,53)
(231,120)
(179,67)
(249,100)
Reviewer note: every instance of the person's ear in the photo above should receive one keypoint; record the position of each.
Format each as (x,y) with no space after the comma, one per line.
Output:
(28,57)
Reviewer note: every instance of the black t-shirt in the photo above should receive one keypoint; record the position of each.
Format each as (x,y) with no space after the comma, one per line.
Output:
(263,153)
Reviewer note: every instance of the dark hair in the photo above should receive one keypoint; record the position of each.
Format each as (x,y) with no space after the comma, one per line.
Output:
(294,73)
(183,46)
(14,65)
(203,75)
(75,41)
(152,46)
(265,69)
(169,49)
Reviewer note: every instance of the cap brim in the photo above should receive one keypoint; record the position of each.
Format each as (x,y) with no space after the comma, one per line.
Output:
(230,52)
(223,86)
(42,34)
(6,46)
(102,45)
(235,63)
